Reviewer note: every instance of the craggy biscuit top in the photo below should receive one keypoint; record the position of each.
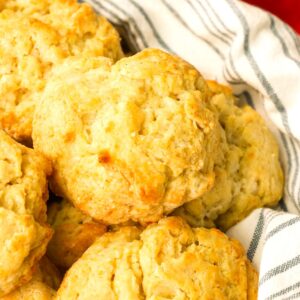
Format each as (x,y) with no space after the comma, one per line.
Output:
(35,36)
(74,232)
(23,192)
(42,286)
(22,243)
(168,260)
(133,140)
(248,177)
(23,179)
(257,177)
(28,49)
(79,27)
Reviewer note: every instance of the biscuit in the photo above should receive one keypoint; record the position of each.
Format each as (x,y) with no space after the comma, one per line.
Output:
(79,27)
(250,175)
(133,140)
(168,260)
(42,286)
(23,193)
(74,232)
(34,37)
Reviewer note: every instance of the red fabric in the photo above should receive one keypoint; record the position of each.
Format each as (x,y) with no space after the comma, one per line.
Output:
(286,10)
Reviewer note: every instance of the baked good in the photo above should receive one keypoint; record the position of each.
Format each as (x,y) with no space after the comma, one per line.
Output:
(34,37)
(168,260)
(249,176)
(23,231)
(78,26)
(74,232)
(42,286)
(133,140)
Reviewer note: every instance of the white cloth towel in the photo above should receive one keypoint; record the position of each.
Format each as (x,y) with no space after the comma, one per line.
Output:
(259,56)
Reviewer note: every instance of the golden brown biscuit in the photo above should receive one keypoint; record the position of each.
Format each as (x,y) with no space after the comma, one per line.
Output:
(23,179)
(78,26)
(130,141)
(74,232)
(42,286)
(168,260)
(23,192)
(250,175)
(35,36)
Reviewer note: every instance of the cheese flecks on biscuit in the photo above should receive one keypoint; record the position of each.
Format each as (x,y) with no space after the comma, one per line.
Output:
(24,233)
(133,140)
(168,260)
(34,37)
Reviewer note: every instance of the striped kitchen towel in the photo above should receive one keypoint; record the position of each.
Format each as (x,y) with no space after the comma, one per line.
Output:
(259,56)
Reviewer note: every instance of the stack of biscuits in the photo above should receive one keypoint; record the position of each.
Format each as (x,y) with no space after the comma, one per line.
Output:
(145,162)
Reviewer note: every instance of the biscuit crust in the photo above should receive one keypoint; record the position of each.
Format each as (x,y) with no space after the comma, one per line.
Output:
(133,140)
(74,232)
(249,176)
(34,37)
(42,286)
(24,233)
(168,260)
